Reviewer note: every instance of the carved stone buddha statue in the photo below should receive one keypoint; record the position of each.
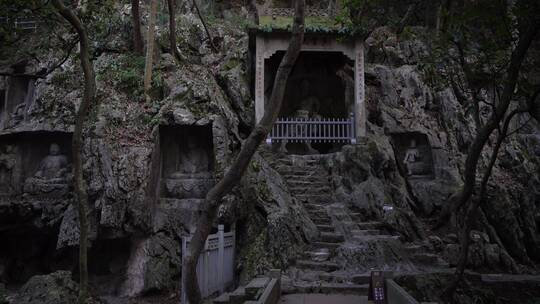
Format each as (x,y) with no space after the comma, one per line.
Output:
(193,178)
(52,175)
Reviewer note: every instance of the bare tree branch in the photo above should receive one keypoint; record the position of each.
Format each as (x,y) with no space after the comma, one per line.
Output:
(210,38)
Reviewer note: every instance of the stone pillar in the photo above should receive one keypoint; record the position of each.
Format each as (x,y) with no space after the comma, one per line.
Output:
(359,91)
(259,79)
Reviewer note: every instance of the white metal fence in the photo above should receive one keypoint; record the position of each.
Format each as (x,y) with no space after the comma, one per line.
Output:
(215,268)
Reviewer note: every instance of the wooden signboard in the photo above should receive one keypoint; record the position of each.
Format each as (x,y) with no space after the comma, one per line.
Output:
(377,288)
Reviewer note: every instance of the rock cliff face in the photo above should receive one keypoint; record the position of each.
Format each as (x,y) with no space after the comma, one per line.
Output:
(124,161)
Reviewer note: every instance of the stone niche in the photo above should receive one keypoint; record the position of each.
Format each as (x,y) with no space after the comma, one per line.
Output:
(320,86)
(36,164)
(17,99)
(413,151)
(187,161)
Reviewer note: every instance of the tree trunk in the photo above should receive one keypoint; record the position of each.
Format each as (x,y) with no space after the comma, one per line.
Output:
(408,14)
(136,20)
(210,38)
(475,150)
(172,29)
(472,212)
(235,172)
(77,144)
(150,50)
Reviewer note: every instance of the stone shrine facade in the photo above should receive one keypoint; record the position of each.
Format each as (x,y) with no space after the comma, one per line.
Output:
(269,45)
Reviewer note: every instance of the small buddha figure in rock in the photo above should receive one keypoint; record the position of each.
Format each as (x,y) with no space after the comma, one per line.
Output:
(309,108)
(54,167)
(413,160)
(18,114)
(51,177)
(8,170)
(193,177)
(193,162)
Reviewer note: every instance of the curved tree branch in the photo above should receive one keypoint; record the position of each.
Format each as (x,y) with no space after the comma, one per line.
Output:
(210,38)
(77,143)
(475,149)
(250,146)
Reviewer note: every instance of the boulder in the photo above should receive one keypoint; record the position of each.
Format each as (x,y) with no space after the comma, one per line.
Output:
(54,288)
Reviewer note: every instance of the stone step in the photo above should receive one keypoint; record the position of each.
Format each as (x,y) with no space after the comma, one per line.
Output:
(413,249)
(339,277)
(326,228)
(309,178)
(222,299)
(370,225)
(297,162)
(255,287)
(286,170)
(321,221)
(357,216)
(317,207)
(330,288)
(330,246)
(303,183)
(428,259)
(332,237)
(317,265)
(376,238)
(321,199)
(313,213)
(367,232)
(320,254)
(238,296)
(310,190)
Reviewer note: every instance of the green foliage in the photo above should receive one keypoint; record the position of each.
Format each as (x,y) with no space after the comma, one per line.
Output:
(361,17)
(126,74)
(312,24)
(473,52)
(231,64)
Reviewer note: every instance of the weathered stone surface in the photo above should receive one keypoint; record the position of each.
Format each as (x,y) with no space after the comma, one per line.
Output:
(213,88)
(54,288)
(277,226)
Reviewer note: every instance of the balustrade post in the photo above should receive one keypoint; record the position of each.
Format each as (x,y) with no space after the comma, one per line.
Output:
(221,258)
(353,128)
(183,287)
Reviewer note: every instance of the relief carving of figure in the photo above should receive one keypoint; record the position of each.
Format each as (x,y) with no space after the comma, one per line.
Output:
(413,160)
(54,167)
(193,178)
(8,170)
(51,178)
(18,114)
(193,162)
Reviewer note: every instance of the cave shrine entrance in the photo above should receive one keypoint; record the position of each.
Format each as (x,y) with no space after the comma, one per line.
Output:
(325,99)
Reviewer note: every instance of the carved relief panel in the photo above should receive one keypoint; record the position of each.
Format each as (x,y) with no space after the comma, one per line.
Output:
(413,151)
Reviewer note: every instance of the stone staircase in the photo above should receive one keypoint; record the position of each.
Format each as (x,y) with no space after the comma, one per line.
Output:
(419,254)
(316,271)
